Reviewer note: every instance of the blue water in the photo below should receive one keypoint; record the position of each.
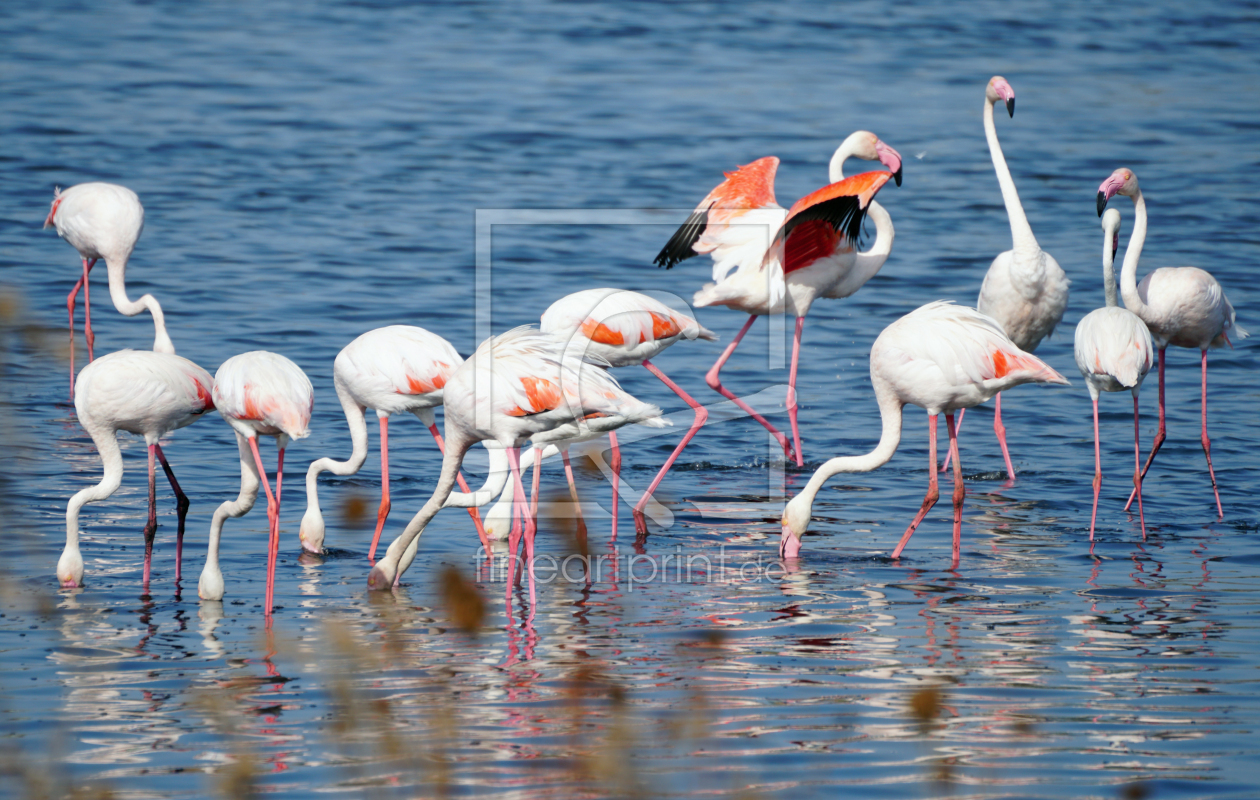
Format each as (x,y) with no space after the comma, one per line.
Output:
(311,173)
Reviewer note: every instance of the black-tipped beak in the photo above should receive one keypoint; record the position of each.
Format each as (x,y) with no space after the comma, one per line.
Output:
(897,176)
(1102,203)
(1010,107)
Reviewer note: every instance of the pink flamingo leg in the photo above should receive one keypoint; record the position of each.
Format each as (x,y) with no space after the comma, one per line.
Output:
(1207,443)
(519,505)
(533,497)
(1159,435)
(615,463)
(181,507)
(87,309)
(1097,471)
(957,429)
(960,491)
(573,494)
(383,512)
(933,494)
(715,383)
(1000,430)
(150,527)
(791,403)
(274,541)
(1137,471)
(463,487)
(702,416)
(273,513)
(70,298)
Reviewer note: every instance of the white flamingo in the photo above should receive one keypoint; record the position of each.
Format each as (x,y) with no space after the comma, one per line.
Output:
(148,394)
(104,220)
(1182,306)
(259,394)
(1025,289)
(940,357)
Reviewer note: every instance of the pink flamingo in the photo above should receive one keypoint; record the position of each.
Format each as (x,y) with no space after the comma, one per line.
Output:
(1182,306)
(103,220)
(1113,352)
(1025,289)
(396,369)
(940,357)
(518,384)
(258,394)
(812,247)
(148,394)
(625,329)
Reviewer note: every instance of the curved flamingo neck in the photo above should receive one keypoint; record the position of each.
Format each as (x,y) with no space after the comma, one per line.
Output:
(106,441)
(1132,254)
(496,480)
(835,170)
(1109,270)
(869,262)
(250,482)
(1021,232)
(358,453)
(128,307)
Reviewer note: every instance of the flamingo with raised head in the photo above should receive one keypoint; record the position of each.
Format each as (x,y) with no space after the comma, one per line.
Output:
(148,394)
(1025,289)
(626,329)
(104,220)
(517,385)
(1113,352)
(258,393)
(392,370)
(940,357)
(810,254)
(1182,306)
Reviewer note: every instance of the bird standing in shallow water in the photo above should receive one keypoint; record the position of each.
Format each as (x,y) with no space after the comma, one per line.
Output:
(1113,352)
(1182,306)
(940,357)
(103,220)
(148,394)
(258,394)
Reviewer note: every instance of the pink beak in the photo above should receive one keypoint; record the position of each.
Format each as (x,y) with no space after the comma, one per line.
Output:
(889,158)
(1007,94)
(1108,189)
(789,545)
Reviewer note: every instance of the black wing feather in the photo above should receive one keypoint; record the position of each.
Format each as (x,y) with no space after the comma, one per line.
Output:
(844,214)
(680,246)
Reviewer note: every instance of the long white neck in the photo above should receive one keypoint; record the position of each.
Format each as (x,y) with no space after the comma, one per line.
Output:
(869,262)
(393,561)
(1109,270)
(127,307)
(890,407)
(70,567)
(210,586)
(1132,254)
(496,479)
(358,448)
(1021,233)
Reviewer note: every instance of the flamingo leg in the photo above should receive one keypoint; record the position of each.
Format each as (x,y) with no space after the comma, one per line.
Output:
(518,498)
(383,512)
(712,378)
(70,301)
(150,527)
(273,513)
(87,308)
(615,463)
(702,416)
(1159,435)
(791,403)
(949,455)
(533,498)
(463,487)
(274,542)
(1137,471)
(1097,471)
(1000,430)
(1207,443)
(577,505)
(181,507)
(933,493)
(960,491)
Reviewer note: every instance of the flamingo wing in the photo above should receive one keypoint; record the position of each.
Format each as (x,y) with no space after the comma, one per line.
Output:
(826,220)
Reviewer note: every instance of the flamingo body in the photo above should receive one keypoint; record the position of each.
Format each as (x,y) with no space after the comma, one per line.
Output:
(141,392)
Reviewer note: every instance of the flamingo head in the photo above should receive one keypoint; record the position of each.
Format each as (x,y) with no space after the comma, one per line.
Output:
(1111,228)
(999,89)
(796,516)
(1122,181)
(52,213)
(868,146)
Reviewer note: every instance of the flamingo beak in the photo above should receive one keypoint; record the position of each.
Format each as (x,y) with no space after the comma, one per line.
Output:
(1010,106)
(789,544)
(889,158)
(1113,184)
(1102,202)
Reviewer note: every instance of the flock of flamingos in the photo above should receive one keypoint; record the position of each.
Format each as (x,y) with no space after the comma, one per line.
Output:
(551,386)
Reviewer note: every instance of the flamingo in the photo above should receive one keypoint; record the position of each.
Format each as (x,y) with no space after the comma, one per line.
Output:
(1113,352)
(516,385)
(940,357)
(148,394)
(395,369)
(625,329)
(259,394)
(1025,289)
(813,246)
(104,220)
(1182,306)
